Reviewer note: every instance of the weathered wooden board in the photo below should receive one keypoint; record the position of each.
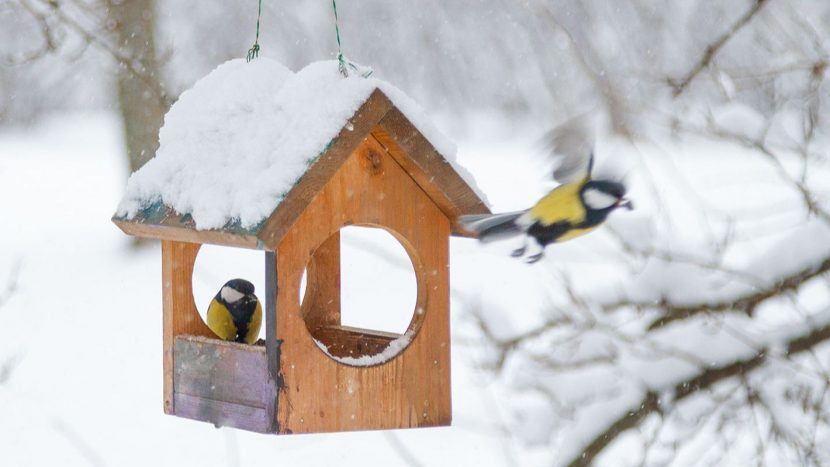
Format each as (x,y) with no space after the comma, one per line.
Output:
(225,383)
(412,389)
(162,222)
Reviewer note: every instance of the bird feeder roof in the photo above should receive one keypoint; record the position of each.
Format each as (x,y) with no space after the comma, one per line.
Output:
(246,149)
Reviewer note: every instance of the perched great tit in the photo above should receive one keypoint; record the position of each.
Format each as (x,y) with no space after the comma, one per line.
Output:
(577,206)
(235,314)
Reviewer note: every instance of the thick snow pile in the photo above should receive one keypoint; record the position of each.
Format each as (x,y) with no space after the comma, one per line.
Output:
(233,146)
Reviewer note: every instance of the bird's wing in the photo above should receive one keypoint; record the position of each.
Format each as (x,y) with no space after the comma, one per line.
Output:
(253,327)
(220,321)
(572,143)
(561,204)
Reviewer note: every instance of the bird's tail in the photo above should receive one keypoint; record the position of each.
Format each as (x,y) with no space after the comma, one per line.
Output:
(490,227)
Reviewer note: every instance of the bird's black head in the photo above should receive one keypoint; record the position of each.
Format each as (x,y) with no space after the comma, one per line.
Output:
(236,289)
(604,195)
(240,285)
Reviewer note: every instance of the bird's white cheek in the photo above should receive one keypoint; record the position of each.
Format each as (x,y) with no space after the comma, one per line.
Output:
(230,295)
(596,199)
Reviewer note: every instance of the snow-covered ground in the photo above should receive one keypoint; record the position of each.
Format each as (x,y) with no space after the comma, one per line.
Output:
(82,330)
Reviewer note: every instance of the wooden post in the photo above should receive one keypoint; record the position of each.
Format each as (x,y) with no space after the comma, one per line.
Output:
(321,303)
(180,313)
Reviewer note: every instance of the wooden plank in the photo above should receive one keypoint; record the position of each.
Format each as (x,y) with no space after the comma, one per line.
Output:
(271,343)
(180,313)
(286,214)
(222,413)
(321,303)
(221,370)
(411,390)
(434,174)
(224,383)
(174,226)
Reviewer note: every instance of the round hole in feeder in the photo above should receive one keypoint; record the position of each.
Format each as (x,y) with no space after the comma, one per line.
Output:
(359,296)
(216,265)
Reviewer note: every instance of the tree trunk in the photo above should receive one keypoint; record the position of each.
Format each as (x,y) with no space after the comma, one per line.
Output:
(141,96)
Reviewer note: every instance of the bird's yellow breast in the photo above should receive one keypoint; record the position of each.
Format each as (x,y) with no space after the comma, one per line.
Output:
(220,321)
(561,204)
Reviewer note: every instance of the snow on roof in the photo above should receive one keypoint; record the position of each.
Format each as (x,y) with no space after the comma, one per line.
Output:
(233,145)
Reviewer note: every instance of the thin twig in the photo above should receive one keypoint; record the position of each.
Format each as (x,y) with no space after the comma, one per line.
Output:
(48,46)
(680,85)
(744,304)
(405,453)
(135,66)
(11,283)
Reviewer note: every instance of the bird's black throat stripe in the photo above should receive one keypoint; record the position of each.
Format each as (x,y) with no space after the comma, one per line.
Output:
(547,234)
(241,311)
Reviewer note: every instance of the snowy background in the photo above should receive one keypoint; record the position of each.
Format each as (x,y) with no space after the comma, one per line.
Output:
(690,331)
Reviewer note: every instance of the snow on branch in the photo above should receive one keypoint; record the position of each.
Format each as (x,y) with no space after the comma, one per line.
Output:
(670,312)
(702,381)
(57,18)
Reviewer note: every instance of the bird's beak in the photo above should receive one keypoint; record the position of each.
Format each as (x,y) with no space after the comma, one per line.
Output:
(625,203)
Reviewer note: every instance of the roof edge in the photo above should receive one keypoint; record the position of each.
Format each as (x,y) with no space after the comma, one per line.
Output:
(430,169)
(358,128)
(164,223)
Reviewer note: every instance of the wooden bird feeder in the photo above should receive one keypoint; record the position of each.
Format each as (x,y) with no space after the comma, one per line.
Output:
(380,171)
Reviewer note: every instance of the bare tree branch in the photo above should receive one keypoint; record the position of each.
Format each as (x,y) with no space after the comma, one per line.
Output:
(11,283)
(132,64)
(50,40)
(7,368)
(584,55)
(81,445)
(745,304)
(807,196)
(704,380)
(680,85)
(405,453)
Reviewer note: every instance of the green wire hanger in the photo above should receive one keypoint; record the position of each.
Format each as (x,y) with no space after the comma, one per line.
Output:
(344,63)
(253,52)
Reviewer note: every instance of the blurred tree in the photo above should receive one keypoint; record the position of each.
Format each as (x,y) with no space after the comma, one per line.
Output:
(121,30)
(141,95)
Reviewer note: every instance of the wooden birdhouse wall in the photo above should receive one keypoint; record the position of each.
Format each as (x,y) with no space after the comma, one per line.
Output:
(411,390)
(207,379)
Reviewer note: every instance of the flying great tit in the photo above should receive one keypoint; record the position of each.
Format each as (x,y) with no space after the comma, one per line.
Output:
(577,206)
(235,314)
